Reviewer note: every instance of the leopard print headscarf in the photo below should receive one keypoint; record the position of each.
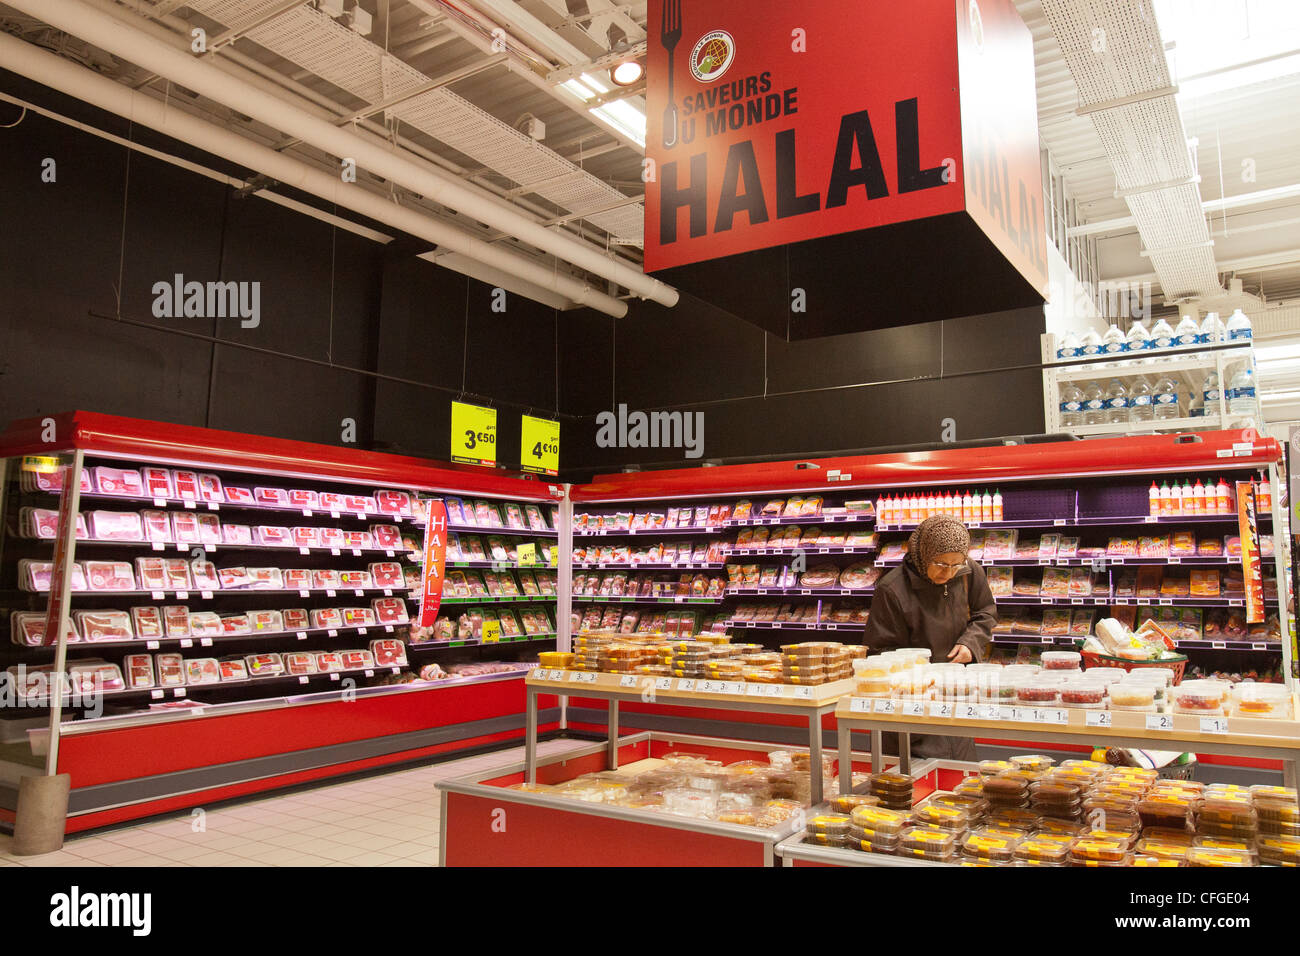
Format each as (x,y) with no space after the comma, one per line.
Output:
(936,535)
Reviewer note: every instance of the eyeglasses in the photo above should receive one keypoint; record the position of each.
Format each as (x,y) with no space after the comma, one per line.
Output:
(948,567)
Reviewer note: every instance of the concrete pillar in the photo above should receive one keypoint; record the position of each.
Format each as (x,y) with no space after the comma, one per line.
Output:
(42,813)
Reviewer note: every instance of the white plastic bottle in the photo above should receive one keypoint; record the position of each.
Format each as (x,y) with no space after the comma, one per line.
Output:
(1189,497)
(1139,339)
(1188,332)
(1166,500)
(947,503)
(1166,399)
(1227,504)
(1162,335)
(1211,329)
(1241,393)
(1090,344)
(986,506)
(882,513)
(1200,503)
(968,508)
(997,505)
(931,505)
(1071,406)
(1265,496)
(1094,404)
(1210,394)
(1154,495)
(1238,328)
(1113,342)
(1139,402)
(1176,499)
(1070,346)
(1116,402)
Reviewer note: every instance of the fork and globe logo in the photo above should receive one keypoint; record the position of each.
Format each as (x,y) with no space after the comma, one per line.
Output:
(710,58)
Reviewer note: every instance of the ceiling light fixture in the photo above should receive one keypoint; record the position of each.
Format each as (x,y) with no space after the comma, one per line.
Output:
(629,70)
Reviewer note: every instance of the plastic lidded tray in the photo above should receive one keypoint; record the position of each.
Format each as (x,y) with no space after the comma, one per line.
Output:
(1273,792)
(1164,849)
(1038,762)
(1039,691)
(1204,856)
(1061,660)
(1236,844)
(1054,827)
(928,843)
(832,824)
(1038,850)
(1055,791)
(889,781)
(1014,818)
(991,768)
(1279,850)
(1106,851)
(1005,788)
(1142,861)
(943,817)
(879,819)
(848,802)
(989,847)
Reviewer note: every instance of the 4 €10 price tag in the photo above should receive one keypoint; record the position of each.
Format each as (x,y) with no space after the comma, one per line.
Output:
(540,445)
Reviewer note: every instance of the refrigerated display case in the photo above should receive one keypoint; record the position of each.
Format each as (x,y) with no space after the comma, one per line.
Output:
(240,613)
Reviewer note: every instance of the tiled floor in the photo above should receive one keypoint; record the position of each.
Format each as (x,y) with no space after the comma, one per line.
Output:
(386,820)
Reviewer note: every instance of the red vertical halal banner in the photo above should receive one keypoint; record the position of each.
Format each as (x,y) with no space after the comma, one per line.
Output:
(771,122)
(435,560)
(1252,567)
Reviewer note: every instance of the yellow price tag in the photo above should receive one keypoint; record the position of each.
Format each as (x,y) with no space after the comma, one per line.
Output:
(554,552)
(528,553)
(540,445)
(40,464)
(473,434)
(491,632)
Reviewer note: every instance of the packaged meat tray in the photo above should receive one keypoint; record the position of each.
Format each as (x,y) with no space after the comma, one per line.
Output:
(185,528)
(148,622)
(176,619)
(138,671)
(264,665)
(272,621)
(157,525)
(110,576)
(95,676)
(52,481)
(157,482)
(358,539)
(274,497)
(356,579)
(202,670)
(274,536)
(234,624)
(204,575)
(233,668)
(386,536)
(331,537)
(457,514)
(361,503)
(358,616)
(295,618)
(386,574)
(486,515)
(536,520)
(392,502)
(209,529)
(356,660)
(152,573)
(305,537)
(333,501)
(265,579)
(388,653)
(210,487)
(326,617)
(299,662)
(171,669)
(118,481)
(328,661)
(205,624)
(296,579)
(240,496)
(324,579)
(44,523)
(35,575)
(303,498)
(820,576)
(1001,581)
(27,629)
(115,525)
(178,574)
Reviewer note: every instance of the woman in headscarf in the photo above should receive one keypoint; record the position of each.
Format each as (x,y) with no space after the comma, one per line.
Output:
(938,598)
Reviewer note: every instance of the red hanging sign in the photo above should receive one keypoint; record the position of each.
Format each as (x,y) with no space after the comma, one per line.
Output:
(435,560)
(1252,566)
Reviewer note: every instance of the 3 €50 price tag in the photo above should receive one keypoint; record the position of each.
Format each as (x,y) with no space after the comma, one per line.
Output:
(491,632)
(540,445)
(473,434)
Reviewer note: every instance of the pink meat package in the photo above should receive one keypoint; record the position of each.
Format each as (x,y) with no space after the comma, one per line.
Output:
(390,610)
(110,576)
(303,498)
(386,535)
(118,481)
(139,671)
(157,482)
(389,653)
(27,629)
(387,574)
(393,502)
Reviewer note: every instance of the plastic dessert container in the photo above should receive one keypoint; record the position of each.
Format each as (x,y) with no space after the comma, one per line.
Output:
(928,843)
(1061,660)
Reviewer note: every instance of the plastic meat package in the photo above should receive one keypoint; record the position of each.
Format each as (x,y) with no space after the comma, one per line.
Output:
(264,665)
(118,481)
(324,579)
(273,536)
(204,574)
(272,497)
(115,525)
(178,574)
(152,573)
(148,622)
(326,617)
(110,576)
(356,660)
(95,676)
(392,502)
(171,669)
(157,482)
(303,498)
(328,661)
(358,616)
(390,610)
(233,668)
(234,624)
(240,496)
(305,537)
(265,579)
(299,662)
(388,653)
(386,574)
(176,618)
(355,579)
(270,621)
(296,579)
(386,536)
(202,670)
(138,671)
(295,618)
(205,624)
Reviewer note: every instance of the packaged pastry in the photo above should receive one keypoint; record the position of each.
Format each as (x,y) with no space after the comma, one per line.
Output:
(928,844)
(202,670)
(942,817)
(986,846)
(1206,856)
(1279,850)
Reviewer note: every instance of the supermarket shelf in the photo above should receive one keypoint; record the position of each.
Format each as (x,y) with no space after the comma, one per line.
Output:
(496,599)
(1124,602)
(153,643)
(1062,640)
(182,692)
(585,599)
(801,625)
(648,566)
(149,501)
(1090,521)
(514,532)
(186,547)
(1200,423)
(1003,637)
(500,565)
(443,645)
(1180,359)
(606,533)
(183,594)
(1190,561)
(778,552)
(802,519)
(801,592)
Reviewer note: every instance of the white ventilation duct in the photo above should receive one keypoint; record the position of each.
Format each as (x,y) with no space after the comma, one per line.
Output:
(86,85)
(317,43)
(72,16)
(1116,57)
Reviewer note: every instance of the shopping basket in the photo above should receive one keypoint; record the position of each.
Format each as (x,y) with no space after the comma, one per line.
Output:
(1177,664)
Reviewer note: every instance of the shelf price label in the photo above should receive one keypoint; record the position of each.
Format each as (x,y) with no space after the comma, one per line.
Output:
(540,445)
(491,632)
(913,708)
(627,680)
(1214,725)
(1160,722)
(883,706)
(528,553)
(941,709)
(473,434)
(1098,718)
(860,705)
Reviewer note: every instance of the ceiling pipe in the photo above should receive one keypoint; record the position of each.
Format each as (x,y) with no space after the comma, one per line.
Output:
(86,85)
(106,32)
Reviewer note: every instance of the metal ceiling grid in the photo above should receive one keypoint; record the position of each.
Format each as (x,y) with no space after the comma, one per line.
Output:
(315,42)
(1117,61)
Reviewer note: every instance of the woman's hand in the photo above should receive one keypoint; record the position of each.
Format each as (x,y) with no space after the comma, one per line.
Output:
(961,654)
